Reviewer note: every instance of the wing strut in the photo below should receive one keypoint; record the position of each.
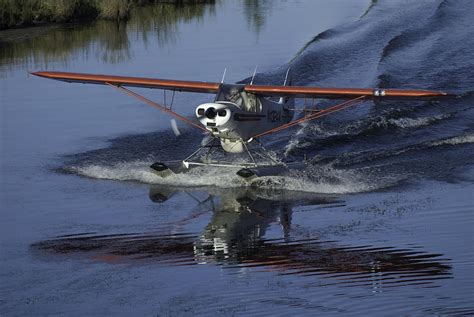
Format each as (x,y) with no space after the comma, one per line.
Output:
(315,115)
(155,105)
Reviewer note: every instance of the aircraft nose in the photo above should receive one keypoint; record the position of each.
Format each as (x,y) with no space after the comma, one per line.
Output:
(211,113)
(214,116)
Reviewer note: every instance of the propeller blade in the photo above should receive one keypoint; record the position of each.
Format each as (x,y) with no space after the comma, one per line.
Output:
(174,126)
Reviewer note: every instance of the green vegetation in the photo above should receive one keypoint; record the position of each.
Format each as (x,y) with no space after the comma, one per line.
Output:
(16,13)
(109,41)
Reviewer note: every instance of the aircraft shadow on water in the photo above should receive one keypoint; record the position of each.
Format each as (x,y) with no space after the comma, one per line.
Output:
(235,238)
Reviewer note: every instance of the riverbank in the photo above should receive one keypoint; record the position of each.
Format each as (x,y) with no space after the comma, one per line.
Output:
(23,13)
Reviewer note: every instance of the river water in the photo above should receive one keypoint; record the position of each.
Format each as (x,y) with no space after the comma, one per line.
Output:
(380,222)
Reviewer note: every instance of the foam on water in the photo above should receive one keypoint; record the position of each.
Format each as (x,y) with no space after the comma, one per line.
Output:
(140,171)
(462,139)
(414,122)
(326,179)
(386,123)
(323,179)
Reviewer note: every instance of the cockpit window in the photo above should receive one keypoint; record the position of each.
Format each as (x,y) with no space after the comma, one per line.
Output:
(237,95)
(253,103)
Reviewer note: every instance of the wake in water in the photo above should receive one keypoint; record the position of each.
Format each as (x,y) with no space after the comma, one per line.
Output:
(378,145)
(318,179)
(347,173)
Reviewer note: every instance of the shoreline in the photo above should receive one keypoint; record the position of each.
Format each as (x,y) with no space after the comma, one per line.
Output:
(36,13)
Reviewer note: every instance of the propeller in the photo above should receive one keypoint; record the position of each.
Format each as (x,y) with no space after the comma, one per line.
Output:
(174,126)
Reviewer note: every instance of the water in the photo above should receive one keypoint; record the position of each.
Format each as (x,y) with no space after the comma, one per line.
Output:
(380,223)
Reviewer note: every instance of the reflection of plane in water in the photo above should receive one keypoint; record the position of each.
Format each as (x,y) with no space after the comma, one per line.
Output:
(241,217)
(235,237)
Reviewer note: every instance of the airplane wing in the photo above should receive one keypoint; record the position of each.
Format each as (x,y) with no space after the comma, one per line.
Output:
(210,87)
(119,82)
(176,85)
(355,95)
(341,93)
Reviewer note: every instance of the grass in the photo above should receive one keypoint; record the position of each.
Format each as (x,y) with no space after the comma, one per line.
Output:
(18,13)
(108,40)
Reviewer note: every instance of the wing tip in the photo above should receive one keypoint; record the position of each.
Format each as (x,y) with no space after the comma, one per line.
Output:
(39,73)
(443,94)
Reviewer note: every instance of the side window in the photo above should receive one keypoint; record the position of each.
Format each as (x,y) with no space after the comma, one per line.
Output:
(235,97)
(253,103)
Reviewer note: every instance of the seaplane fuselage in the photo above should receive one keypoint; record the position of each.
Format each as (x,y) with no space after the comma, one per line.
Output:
(235,116)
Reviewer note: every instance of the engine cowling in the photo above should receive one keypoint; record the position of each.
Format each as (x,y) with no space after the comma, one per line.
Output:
(217,118)
(214,116)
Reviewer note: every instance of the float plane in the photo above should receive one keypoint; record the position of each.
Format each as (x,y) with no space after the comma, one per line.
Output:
(240,114)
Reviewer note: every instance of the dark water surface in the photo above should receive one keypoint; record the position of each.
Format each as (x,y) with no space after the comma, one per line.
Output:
(380,223)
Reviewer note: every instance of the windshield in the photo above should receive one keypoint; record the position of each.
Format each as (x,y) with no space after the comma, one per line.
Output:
(237,95)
